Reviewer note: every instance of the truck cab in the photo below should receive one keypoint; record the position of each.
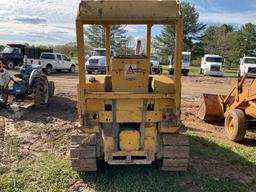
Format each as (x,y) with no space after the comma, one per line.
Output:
(12,55)
(155,61)
(186,59)
(212,65)
(15,54)
(97,62)
(247,66)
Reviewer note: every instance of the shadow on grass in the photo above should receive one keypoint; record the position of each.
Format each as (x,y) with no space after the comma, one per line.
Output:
(150,178)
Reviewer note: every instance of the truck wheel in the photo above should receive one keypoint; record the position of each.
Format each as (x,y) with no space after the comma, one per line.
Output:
(239,73)
(51,88)
(235,125)
(3,97)
(41,91)
(72,69)
(185,73)
(10,65)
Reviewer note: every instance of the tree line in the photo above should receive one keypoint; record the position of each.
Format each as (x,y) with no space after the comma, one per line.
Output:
(226,40)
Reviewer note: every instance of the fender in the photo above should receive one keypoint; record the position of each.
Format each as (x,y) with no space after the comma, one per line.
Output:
(35,73)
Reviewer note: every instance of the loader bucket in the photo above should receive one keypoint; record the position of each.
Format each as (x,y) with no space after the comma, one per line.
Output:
(211,109)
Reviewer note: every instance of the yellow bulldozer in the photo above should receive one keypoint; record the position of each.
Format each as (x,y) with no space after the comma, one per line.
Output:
(237,108)
(129,116)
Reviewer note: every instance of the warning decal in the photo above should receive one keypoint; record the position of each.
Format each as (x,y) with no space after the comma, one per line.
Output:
(130,72)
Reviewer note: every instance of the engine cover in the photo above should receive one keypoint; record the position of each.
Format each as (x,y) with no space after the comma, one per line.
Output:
(129,140)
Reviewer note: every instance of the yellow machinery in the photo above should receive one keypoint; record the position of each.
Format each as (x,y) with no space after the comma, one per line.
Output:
(129,116)
(236,108)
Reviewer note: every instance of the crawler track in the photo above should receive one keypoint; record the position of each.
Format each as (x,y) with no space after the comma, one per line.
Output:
(175,148)
(83,152)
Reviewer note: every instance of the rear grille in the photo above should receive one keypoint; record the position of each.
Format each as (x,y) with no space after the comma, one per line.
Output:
(215,68)
(93,61)
(251,70)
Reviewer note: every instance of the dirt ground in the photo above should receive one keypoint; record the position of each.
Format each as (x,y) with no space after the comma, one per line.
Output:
(49,130)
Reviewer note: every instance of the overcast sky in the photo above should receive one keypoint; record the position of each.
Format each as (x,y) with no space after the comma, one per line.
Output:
(53,21)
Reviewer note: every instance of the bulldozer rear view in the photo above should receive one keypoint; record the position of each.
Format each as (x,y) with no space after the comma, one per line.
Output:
(129,116)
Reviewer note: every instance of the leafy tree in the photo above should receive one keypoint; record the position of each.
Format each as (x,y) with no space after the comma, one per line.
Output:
(248,33)
(165,42)
(95,37)
(225,41)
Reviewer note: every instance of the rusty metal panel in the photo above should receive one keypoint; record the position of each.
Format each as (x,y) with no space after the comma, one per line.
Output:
(124,10)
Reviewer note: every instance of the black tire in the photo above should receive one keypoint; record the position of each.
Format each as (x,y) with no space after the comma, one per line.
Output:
(72,69)
(10,64)
(185,74)
(51,88)
(41,91)
(239,73)
(3,98)
(48,69)
(235,125)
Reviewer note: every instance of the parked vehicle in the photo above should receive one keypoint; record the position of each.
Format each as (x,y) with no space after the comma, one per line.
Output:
(56,61)
(97,62)
(13,55)
(247,66)
(155,62)
(29,83)
(186,58)
(212,65)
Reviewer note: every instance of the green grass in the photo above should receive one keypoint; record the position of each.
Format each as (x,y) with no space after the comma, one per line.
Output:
(53,173)
(212,148)
(47,173)
(194,70)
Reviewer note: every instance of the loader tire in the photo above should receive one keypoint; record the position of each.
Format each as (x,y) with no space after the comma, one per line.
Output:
(235,125)
(83,152)
(41,91)
(175,152)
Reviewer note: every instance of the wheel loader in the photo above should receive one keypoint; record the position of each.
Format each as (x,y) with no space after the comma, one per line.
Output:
(129,116)
(236,109)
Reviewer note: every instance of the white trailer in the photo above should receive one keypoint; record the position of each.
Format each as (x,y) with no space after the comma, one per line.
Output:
(186,59)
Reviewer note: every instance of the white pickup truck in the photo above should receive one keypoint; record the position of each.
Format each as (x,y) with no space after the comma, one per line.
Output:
(97,62)
(212,65)
(56,61)
(186,59)
(247,66)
